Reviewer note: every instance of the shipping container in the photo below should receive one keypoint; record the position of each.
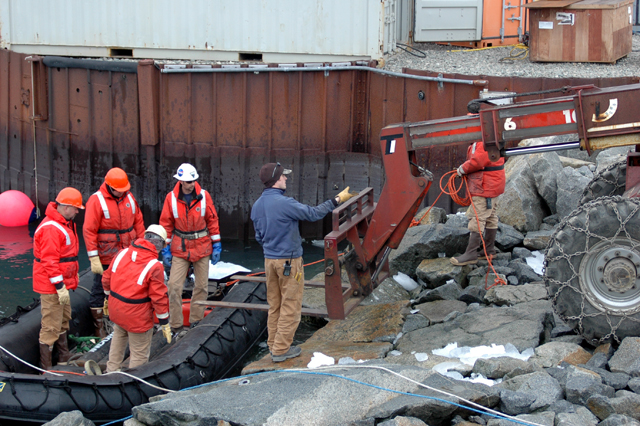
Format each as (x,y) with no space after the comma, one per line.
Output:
(221,30)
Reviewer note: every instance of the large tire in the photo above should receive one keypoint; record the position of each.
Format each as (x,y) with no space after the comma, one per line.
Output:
(593,269)
(608,182)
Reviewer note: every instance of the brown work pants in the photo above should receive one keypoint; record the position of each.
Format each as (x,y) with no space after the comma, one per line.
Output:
(55,318)
(179,269)
(487,217)
(139,348)
(284,295)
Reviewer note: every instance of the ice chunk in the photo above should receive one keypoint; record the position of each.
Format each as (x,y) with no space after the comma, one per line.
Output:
(421,357)
(319,359)
(394,353)
(405,281)
(224,269)
(536,262)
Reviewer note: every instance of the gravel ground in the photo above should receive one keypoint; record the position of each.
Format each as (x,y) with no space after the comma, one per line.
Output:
(452,59)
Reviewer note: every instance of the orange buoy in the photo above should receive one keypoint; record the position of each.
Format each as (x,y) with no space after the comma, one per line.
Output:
(17,209)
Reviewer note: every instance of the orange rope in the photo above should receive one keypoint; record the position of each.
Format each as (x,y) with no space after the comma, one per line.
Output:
(453,190)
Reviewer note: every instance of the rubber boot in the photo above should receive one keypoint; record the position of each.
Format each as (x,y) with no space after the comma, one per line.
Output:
(62,345)
(470,257)
(490,243)
(45,356)
(96,313)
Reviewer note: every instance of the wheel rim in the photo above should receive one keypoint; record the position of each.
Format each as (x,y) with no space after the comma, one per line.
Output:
(610,278)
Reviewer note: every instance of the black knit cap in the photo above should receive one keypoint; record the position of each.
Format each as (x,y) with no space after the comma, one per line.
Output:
(271,172)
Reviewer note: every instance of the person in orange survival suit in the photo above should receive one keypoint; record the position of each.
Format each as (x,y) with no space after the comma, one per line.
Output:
(134,283)
(55,272)
(485,180)
(191,222)
(112,221)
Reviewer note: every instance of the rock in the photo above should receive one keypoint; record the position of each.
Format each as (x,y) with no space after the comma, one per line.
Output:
(624,402)
(561,329)
(414,322)
(458,220)
(514,403)
(522,325)
(512,280)
(615,380)
(553,353)
(524,272)
(537,240)
(573,162)
(545,418)
(627,357)
(598,360)
(436,215)
(634,384)
(70,418)
(437,310)
(583,384)
(473,294)
(436,272)
(619,420)
(449,291)
(546,168)
(426,242)
(497,368)
(572,419)
(508,237)
(610,156)
(545,389)
(134,422)
(403,421)
(387,292)
(520,253)
(552,220)
(488,280)
(286,398)
(605,348)
(510,295)
(571,184)
(433,411)
(520,205)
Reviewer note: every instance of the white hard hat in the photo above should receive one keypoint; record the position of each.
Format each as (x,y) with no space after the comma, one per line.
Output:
(158,230)
(186,173)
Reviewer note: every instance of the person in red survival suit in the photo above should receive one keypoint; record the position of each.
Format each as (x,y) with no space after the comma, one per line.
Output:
(112,221)
(55,272)
(134,283)
(191,222)
(485,180)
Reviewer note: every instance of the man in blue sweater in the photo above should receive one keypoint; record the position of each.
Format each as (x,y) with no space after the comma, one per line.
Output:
(275,219)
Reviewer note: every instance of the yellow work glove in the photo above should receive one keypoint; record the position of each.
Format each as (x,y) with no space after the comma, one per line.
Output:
(63,295)
(345,195)
(105,307)
(166,330)
(96,266)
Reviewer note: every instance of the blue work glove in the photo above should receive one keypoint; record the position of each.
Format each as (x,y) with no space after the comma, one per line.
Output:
(215,255)
(166,256)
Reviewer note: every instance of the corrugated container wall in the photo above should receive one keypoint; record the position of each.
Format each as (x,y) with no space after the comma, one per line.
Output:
(264,30)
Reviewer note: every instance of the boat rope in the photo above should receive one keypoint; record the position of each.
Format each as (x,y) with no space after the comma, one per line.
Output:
(30,365)
(131,376)
(35,150)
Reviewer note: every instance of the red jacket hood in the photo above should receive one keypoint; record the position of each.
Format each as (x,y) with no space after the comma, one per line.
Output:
(53,214)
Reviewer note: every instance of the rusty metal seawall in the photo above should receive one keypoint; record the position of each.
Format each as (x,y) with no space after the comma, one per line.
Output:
(68,123)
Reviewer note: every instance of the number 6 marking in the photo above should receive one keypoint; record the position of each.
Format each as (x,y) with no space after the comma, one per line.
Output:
(509,125)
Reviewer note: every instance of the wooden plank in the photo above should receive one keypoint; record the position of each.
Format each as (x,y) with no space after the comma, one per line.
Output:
(264,279)
(600,4)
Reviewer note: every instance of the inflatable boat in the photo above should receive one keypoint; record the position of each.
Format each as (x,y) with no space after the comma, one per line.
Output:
(207,352)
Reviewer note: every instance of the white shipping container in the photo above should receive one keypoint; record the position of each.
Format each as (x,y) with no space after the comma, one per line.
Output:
(271,31)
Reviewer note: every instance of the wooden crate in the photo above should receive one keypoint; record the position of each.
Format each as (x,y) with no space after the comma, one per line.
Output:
(580,31)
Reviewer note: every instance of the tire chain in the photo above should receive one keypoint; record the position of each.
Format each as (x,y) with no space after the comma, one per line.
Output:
(607,313)
(614,175)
